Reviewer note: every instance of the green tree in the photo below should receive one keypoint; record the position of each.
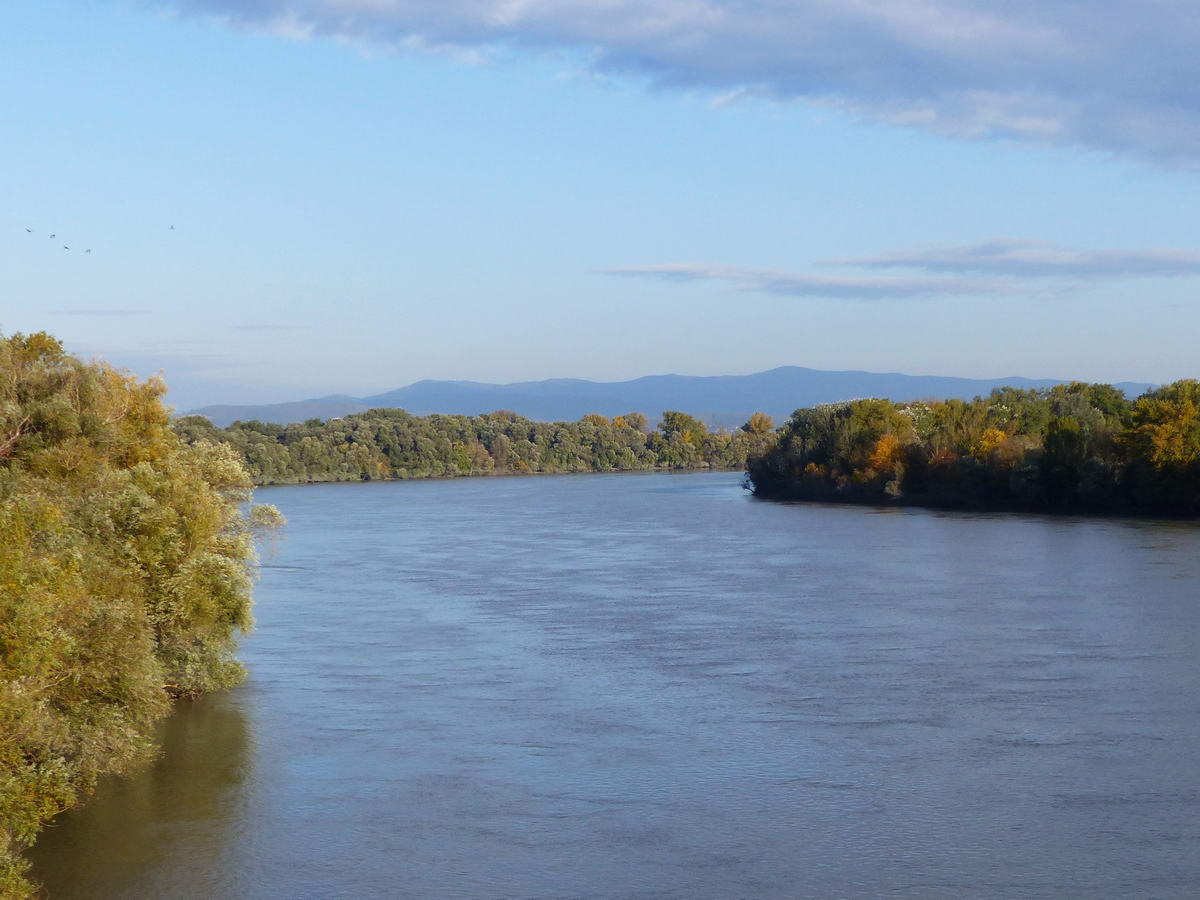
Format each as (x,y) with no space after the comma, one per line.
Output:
(1162,447)
(636,421)
(125,573)
(688,428)
(1074,446)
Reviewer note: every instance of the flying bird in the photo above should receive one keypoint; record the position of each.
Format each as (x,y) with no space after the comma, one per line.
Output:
(88,250)
(29,231)
(65,247)
(52,237)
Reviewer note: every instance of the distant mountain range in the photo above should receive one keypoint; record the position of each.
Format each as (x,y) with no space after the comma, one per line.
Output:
(717,399)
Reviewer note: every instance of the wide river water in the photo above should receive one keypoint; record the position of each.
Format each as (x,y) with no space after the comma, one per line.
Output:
(658,686)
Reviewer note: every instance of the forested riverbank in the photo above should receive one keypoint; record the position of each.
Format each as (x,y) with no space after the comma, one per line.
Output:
(1074,447)
(125,576)
(1077,447)
(390,444)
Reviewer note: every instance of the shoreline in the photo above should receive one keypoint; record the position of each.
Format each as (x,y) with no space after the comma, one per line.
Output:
(695,470)
(949,506)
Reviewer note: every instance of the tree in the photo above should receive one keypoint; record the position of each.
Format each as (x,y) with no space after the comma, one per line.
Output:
(1072,446)
(1165,428)
(1063,454)
(988,443)
(1161,446)
(636,421)
(688,428)
(887,455)
(759,423)
(125,577)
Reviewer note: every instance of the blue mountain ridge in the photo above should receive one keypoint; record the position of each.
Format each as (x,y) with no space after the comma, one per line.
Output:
(720,400)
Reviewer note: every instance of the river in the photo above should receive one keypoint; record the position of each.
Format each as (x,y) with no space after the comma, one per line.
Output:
(659,686)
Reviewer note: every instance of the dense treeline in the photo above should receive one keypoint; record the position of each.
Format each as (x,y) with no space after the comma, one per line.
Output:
(390,443)
(124,577)
(1073,447)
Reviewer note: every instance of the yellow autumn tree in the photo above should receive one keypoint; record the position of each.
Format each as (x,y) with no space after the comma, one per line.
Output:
(988,442)
(1166,426)
(887,454)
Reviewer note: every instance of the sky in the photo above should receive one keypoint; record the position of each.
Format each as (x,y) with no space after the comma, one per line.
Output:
(290,198)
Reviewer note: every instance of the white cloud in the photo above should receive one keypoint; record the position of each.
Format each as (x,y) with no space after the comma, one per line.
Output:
(1116,75)
(782,283)
(1037,259)
(989,267)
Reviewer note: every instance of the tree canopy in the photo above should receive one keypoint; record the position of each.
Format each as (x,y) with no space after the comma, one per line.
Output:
(1072,447)
(125,575)
(391,443)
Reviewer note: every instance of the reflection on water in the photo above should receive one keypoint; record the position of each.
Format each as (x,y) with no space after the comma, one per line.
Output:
(657,686)
(129,842)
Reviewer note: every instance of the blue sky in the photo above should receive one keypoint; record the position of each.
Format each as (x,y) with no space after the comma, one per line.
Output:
(365,193)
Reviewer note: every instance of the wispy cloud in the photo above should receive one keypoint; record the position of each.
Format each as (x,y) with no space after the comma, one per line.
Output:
(1116,75)
(171,357)
(771,282)
(98,312)
(1037,259)
(265,327)
(990,267)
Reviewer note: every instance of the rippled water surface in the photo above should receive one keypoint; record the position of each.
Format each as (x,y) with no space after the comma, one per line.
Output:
(657,686)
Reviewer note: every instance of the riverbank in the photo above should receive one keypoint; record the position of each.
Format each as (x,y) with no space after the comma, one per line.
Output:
(392,445)
(789,494)
(691,470)
(1075,448)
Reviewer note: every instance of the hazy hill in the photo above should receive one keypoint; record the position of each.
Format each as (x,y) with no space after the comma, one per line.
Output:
(718,399)
(283,413)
